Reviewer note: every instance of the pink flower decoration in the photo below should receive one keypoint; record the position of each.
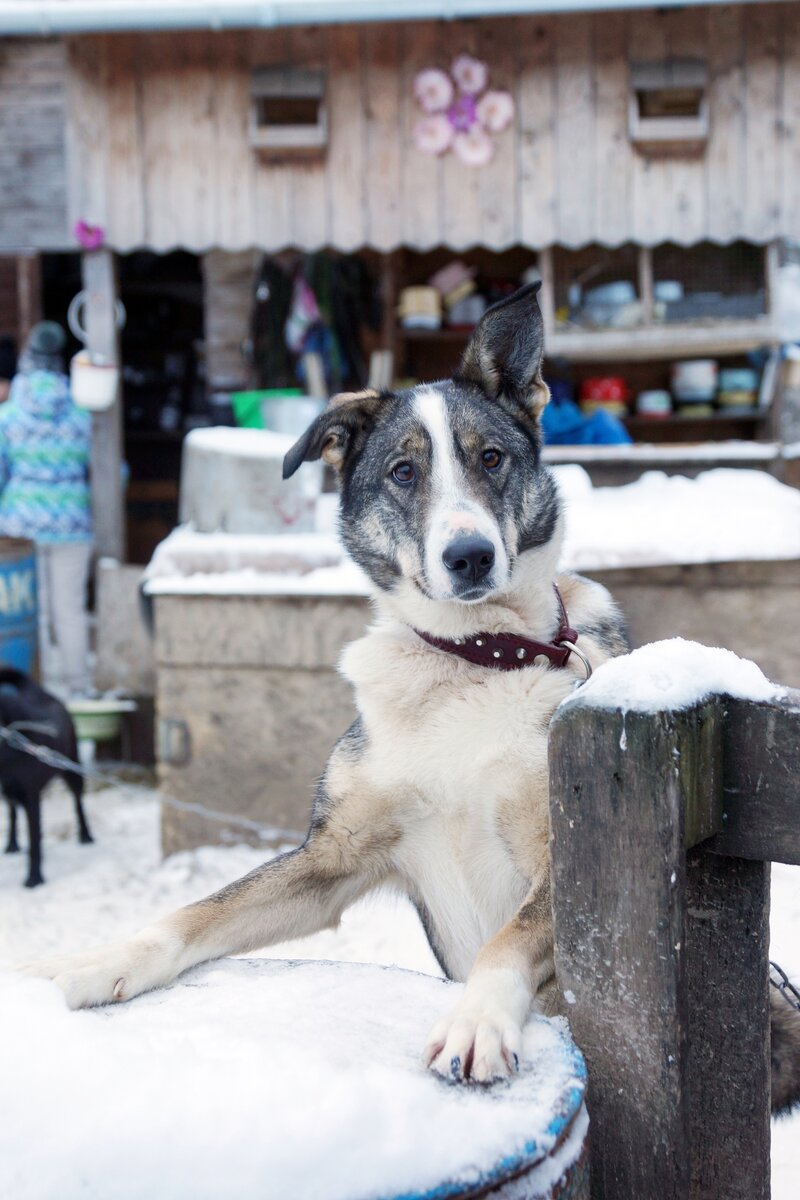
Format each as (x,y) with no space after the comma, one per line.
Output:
(495,111)
(463,114)
(471,75)
(433,135)
(475,148)
(433,90)
(91,237)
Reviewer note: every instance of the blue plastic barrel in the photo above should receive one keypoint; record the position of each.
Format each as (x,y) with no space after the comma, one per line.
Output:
(19,628)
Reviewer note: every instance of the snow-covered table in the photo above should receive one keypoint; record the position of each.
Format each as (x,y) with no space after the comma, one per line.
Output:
(276,1080)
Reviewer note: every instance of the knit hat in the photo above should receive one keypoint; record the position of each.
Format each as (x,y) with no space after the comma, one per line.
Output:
(47,337)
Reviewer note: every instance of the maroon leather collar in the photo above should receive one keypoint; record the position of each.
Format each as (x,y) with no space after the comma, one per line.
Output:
(509,651)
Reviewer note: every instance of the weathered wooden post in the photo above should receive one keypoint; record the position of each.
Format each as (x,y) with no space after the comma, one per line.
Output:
(102,339)
(661,954)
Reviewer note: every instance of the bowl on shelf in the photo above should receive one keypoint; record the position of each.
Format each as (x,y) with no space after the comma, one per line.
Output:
(608,393)
(655,403)
(694,381)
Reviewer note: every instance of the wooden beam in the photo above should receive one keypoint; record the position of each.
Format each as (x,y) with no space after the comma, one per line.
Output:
(29,295)
(761,792)
(108,501)
(645,272)
(728,1060)
(652,949)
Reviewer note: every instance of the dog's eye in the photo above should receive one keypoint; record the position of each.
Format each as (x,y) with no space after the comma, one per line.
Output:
(404,474)
(491,459)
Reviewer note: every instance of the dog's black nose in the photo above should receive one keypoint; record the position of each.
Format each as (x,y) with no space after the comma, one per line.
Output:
(469,557)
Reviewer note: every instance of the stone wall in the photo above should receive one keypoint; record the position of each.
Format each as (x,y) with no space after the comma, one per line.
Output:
(249,703)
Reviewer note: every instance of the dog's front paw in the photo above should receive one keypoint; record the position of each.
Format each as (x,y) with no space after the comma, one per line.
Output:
(481,1040)
(110,974)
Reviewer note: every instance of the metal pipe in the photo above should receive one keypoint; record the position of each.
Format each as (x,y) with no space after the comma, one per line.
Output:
(49,17)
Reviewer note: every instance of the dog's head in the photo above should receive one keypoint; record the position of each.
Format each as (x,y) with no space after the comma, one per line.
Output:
(442,485)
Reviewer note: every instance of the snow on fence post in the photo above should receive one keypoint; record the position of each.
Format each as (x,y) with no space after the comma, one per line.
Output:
(661,949)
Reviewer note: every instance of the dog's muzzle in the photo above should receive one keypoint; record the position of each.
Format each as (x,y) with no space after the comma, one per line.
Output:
(468,560)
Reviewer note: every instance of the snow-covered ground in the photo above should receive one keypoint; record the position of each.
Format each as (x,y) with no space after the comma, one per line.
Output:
(101,892)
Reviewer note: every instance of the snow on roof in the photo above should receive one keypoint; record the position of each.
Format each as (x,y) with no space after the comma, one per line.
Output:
(673,674)
(269,1080)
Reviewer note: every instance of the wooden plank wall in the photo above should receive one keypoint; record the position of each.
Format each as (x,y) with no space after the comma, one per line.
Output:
(33,210)
(159,152)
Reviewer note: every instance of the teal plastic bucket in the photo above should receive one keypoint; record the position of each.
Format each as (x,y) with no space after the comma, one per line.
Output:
(19,627)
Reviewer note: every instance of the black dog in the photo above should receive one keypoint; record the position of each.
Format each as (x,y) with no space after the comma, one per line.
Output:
(29,710)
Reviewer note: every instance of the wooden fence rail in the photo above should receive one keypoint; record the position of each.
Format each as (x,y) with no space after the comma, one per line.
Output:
(663,828)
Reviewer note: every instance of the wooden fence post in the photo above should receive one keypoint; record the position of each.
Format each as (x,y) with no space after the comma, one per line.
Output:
(108,502)
(651,951)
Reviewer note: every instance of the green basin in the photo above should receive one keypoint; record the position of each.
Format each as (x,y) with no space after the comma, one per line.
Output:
(98,720)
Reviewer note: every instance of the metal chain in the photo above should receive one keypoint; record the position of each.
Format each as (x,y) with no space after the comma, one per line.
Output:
(784,985)
(60,762)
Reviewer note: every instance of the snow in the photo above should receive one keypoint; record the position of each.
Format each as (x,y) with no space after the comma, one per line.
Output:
(673,674)
(300,564)
(89,1079)
(724,515)
(344,580)
(711,452)
(249,443)
(293,1071)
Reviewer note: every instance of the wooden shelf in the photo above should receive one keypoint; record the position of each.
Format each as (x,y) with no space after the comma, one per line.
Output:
(660,341)
(717,418)
(633,345)
(445,334)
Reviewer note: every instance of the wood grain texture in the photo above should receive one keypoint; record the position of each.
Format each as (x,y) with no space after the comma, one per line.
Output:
(761,780)
(100,285)
(626,790)
(536,119)
(728,1063)
(461,213)
(725,156)
(382,49)
(33,184)
(566,172)
(346,165)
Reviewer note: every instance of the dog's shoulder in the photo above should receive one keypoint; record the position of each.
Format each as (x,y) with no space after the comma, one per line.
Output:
(594,613)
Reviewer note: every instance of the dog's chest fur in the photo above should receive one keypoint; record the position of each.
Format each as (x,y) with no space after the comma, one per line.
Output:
(461,752)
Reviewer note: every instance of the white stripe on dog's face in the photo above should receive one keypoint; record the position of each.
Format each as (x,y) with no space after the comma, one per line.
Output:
(454,512)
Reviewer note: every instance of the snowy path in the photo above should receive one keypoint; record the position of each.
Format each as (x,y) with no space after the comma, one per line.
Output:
(97,893)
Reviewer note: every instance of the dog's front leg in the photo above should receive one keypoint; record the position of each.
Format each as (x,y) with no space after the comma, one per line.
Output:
(482,1038)
(294,895)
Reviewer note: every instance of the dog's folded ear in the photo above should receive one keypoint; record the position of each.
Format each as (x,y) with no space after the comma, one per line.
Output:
(504,354)
(336,432)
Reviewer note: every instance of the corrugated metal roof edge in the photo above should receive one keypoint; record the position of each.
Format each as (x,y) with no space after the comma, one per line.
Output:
(49,17)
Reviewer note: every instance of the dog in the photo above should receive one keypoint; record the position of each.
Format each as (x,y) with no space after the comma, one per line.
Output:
(27,709)
(440,787)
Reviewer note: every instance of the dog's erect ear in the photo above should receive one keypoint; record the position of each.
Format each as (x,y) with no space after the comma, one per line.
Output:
(344,423)
(504,354)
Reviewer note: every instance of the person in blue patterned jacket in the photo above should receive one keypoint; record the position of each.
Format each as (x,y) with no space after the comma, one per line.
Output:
(45,449)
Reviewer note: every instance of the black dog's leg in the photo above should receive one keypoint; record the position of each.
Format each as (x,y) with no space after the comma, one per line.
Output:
(33,813)
(13,845)
(75,785)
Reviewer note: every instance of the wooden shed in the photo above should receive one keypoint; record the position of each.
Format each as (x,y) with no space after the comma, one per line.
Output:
(653,150)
